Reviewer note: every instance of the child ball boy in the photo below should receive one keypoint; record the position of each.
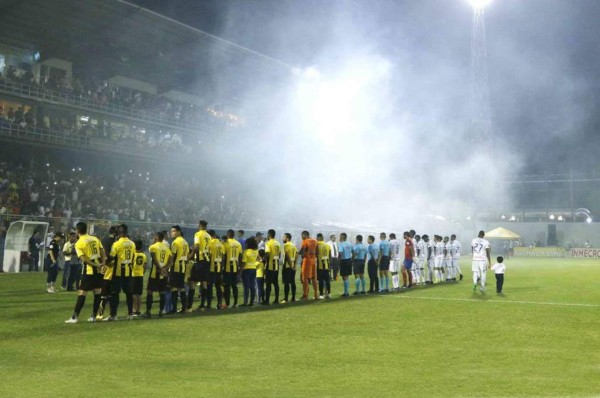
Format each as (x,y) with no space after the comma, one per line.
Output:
(499,269)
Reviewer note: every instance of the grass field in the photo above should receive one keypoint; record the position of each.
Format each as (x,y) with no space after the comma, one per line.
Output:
(542,338)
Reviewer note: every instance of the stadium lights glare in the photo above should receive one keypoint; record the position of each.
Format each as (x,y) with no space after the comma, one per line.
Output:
(513,218)
(479,4)
(588,220)
(503,217)
(552,216)
(560,218)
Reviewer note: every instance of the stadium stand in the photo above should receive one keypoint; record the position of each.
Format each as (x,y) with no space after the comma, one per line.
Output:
(49,190)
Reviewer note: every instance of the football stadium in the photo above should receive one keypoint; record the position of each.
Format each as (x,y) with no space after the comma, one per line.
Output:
(299,198)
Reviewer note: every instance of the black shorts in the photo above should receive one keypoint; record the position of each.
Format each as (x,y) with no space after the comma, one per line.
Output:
(288,275)
(345,267)
(120,284)
(324,275)
(230,278)
(200,271)
(90,282)
(137,285)
(271,276)
(216,278)
(384,264)
(105,287)
(176,280)
(157,285)
(358,266)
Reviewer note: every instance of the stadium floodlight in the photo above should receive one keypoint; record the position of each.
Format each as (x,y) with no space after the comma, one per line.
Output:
(479,4)
(560,218)
(588,220)
(552,216)
(503,217)
(513,218)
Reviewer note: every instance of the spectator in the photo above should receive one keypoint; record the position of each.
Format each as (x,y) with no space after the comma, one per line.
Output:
(34,251)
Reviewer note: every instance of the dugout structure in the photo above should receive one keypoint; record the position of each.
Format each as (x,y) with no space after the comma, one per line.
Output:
(17,239)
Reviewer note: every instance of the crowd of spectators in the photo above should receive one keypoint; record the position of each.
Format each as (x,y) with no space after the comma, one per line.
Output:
(142,104)
(23,121)
(45,190)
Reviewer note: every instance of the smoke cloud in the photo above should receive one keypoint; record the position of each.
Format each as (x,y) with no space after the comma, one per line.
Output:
(368,126)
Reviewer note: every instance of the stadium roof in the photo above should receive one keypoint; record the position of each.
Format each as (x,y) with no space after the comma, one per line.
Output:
(115,37)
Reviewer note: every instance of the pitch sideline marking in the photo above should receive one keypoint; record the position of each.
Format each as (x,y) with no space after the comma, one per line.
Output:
(498,301)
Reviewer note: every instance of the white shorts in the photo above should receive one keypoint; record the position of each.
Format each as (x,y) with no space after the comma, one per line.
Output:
(431,263)
(455,262)
(479,266)
(395,265)
(448,262)
(439,262)
(420,263)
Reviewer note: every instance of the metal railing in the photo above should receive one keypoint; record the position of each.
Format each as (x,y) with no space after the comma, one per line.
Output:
(89,104)
(15,133)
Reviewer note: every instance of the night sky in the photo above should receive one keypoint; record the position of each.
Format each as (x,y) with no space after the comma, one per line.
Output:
(544,58)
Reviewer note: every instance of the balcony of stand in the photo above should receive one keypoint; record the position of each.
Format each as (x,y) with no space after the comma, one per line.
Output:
(89,104)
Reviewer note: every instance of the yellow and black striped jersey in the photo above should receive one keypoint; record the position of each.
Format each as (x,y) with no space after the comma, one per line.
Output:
(123,251)
(215,251)
(162,253)
(290,250)
(202,239)
(323,252)
(233,250)
(273,253)
(89,246)
(180,249)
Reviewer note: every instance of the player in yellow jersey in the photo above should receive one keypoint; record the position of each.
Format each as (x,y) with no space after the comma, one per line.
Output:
(215,255)
(91,253)
(137,277)
(260,275)
(323,262)
(231,269)
(289,267)
(157,279)
(249,263)
(200,268)
(177,264)
(272,257)
(119,274)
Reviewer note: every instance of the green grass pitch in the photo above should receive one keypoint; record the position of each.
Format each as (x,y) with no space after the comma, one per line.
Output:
(542,338)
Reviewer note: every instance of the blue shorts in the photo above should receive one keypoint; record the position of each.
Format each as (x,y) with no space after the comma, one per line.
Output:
(407,264)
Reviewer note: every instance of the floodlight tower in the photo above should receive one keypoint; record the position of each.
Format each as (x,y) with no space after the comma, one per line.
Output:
(481,122)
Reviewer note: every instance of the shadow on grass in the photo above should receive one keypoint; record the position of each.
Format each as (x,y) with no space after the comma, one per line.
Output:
(66,297)
(299,304)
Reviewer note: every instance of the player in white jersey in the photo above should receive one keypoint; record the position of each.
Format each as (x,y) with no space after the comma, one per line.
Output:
(396,260)
(455,252)
(439,258)
(421,255)
(481,260)
(430,256)
(447,259)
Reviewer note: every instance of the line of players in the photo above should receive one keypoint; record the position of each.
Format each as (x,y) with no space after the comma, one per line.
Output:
(115,266)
